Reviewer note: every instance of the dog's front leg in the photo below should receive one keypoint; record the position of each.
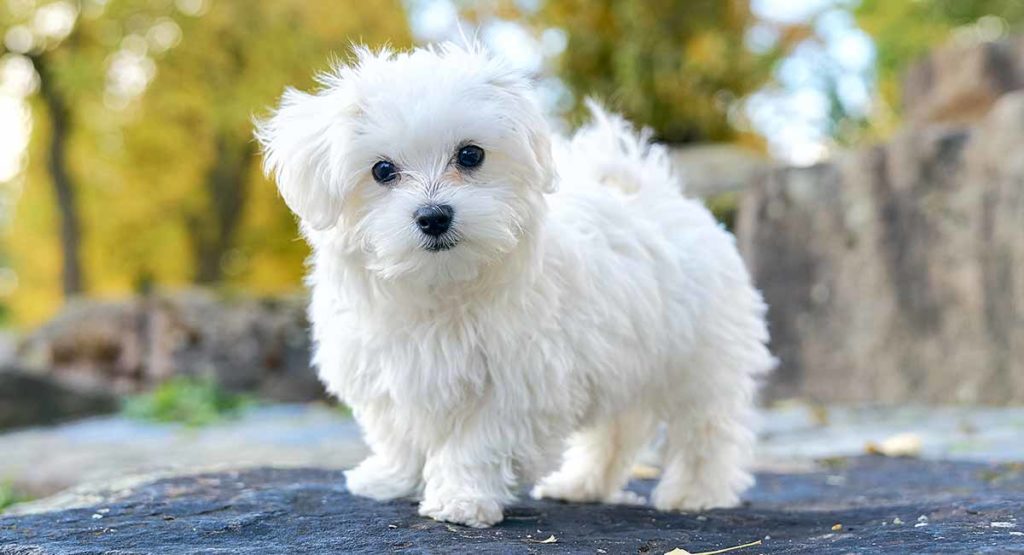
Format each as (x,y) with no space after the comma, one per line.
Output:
(469,479)
(394,469)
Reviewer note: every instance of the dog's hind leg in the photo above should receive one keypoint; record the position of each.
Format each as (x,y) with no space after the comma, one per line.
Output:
(596,466)
(710,419)
(709,440)
(705,463)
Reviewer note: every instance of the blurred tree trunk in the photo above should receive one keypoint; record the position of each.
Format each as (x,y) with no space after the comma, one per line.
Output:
(213,231)
(63,183)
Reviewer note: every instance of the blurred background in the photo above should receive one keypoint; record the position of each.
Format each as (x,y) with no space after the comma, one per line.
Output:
(865,153)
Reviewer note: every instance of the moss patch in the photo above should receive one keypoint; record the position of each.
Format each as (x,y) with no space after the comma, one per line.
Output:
(190,401)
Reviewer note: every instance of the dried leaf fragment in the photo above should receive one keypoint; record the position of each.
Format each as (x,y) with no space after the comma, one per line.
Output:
(899,445)
(645,472)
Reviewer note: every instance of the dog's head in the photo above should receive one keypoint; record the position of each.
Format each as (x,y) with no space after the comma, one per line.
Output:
(433,162)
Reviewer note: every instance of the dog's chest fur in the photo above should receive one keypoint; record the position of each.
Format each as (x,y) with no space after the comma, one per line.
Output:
(442,363)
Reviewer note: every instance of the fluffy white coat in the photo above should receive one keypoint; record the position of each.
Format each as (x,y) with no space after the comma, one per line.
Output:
(585,300)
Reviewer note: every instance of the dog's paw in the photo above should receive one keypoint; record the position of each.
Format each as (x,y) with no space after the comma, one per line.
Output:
(577,492)
(476,513)
(697,499)
(376,479)
(571,489)
(625,497)
(561,489)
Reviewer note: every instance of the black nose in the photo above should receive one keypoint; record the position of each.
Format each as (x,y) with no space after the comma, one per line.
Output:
(434,219)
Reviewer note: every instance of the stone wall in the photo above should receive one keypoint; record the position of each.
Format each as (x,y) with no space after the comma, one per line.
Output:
(960,83)
(896,273)
(245,344)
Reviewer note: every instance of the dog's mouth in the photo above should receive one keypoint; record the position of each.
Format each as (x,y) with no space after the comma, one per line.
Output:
(442,243)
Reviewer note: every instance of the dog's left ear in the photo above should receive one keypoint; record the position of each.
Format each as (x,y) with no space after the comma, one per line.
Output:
(539,137)
(529,122)
(299,142)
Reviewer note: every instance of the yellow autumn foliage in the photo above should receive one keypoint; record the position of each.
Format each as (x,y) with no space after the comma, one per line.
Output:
(152,172)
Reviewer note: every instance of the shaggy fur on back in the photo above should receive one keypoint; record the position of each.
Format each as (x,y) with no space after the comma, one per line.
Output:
(576,301)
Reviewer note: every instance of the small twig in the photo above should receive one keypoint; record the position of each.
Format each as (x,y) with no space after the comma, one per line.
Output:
(679,551)
(728,549)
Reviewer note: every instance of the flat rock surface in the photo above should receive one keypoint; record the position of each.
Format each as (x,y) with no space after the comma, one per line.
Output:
(881,505)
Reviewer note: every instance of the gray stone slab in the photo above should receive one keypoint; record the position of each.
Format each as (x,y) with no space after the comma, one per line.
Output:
(883,506)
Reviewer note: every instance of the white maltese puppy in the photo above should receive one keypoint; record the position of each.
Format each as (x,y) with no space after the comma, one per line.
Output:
(487,297)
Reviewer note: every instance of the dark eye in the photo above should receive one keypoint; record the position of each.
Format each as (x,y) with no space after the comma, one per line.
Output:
(470,156)
(384,171)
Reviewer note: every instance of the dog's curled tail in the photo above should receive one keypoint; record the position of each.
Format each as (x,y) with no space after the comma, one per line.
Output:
(620,156)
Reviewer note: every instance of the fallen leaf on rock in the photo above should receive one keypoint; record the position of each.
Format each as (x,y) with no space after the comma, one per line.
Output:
(819,414)
(899,445)
(680,551)
(645,472)
(837,527)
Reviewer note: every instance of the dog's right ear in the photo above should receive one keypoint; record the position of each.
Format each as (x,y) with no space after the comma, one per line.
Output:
(303,144)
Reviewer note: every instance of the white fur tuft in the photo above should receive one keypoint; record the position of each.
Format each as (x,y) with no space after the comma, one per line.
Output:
(612,152)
